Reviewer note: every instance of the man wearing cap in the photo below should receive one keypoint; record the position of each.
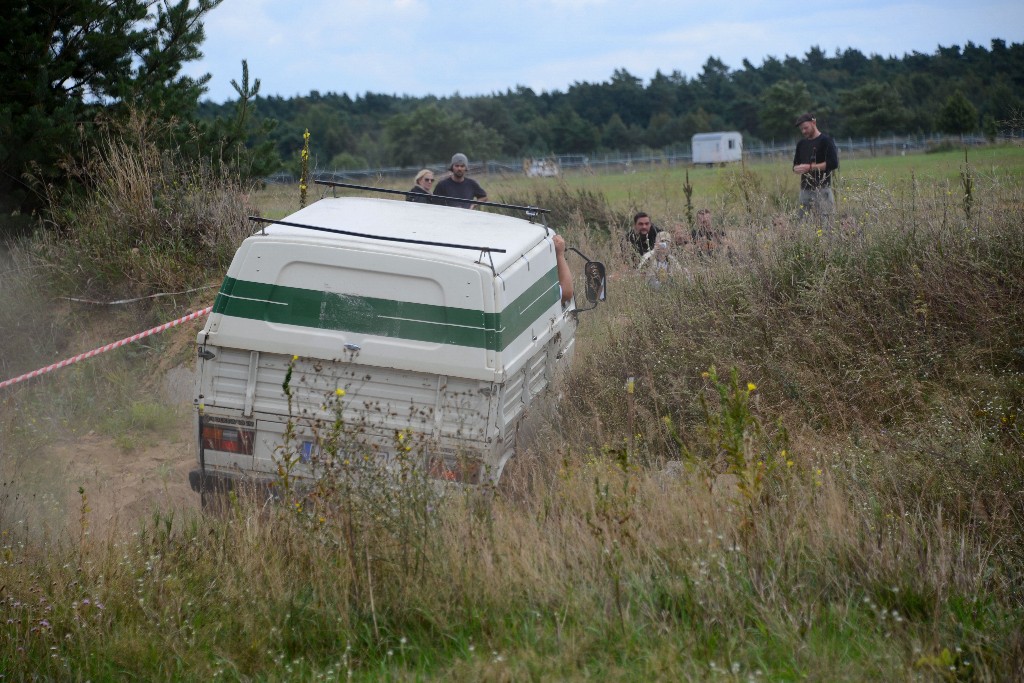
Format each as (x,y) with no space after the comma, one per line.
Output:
(815,161)
(458,186)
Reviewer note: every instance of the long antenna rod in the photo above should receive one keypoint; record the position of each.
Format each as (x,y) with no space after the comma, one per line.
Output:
(530,210)
(257,219)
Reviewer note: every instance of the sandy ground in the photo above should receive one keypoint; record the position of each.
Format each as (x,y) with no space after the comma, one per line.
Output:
(123,489)
(93,482)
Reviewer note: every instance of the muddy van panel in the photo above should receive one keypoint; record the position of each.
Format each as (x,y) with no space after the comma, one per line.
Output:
(450,344)
(457,415)
(528,294)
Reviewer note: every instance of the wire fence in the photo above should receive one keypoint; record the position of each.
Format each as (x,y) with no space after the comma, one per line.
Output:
(678,155)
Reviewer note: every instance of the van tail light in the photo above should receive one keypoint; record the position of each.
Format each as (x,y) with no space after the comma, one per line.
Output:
(460,470)
(228,439)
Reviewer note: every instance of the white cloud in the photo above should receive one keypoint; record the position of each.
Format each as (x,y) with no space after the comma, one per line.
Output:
(417,48)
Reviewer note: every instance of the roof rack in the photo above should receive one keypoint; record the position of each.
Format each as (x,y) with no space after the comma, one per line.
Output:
(404,240)
(484,251)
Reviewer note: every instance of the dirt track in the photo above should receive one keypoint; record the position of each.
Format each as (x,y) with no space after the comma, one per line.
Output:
(122,488)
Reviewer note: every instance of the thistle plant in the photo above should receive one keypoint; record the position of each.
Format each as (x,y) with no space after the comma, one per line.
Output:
(736,436)
(967,182)
(688,191)
(614,524)
(304,178)
(342,475)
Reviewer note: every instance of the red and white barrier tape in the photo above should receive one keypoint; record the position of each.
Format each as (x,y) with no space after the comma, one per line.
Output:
(104,349)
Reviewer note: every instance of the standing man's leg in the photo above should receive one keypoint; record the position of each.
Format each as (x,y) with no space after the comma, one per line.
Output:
(806,204)
(826,209)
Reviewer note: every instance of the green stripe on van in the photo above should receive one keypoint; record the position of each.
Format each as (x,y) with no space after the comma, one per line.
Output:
(385,317)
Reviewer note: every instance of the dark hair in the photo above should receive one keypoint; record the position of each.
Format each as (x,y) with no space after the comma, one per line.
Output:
(638,216)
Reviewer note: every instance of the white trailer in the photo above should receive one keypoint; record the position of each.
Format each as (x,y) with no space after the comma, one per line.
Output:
(717,148)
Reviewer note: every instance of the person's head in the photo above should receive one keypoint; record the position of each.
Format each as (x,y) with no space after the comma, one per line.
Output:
(641,223)
(704,219)
(425,179)
(459,165)
(808,125)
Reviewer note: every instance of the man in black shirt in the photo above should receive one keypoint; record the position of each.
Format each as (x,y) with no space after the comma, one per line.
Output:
(642,236)
(815,161)
(459,186)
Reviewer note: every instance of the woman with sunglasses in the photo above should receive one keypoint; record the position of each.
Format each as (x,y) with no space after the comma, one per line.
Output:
(424,186)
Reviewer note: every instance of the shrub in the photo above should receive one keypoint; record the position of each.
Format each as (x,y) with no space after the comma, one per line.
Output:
(148,220)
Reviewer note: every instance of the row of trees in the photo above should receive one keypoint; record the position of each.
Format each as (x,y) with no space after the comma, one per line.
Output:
(954,90)
(75,70)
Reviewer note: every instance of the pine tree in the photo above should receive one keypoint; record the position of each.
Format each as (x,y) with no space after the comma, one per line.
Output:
(957,116)
(67,61)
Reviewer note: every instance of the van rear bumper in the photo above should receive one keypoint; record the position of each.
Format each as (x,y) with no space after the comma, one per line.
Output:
(219,481)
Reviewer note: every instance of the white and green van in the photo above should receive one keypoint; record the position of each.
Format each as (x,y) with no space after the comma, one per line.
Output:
(442,322)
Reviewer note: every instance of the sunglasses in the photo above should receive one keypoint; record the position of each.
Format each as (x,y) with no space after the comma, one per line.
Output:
(428,180)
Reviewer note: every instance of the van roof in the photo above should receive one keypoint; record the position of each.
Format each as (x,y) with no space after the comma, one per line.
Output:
(408,220)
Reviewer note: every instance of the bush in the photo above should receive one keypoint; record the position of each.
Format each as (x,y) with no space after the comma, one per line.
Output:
(580,207)
(148,220)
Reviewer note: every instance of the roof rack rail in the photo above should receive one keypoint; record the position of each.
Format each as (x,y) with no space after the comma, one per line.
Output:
(530,211)
(403,240)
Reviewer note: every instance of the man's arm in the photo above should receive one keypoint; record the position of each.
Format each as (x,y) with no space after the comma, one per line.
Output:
(831,156)
(798,167)
(564,274)
(478,194)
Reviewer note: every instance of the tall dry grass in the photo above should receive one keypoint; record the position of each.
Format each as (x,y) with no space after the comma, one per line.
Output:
(149,219)
(846,505)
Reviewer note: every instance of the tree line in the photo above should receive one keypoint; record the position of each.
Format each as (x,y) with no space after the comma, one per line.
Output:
(955,90)
(78,72)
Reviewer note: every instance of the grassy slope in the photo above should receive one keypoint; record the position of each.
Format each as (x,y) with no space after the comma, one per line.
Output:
(848,508)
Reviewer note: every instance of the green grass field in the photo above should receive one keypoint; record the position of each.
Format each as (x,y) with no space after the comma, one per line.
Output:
(659,190)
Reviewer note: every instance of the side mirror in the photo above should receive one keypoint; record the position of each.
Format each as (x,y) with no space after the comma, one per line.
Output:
(594,276)
(595,279)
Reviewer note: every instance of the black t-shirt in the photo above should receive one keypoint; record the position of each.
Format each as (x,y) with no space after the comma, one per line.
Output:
(421,195)
(821,148)
(467,189)
(643,243)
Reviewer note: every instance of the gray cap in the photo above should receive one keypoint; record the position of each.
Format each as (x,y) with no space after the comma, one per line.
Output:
(804,118)
(458,158)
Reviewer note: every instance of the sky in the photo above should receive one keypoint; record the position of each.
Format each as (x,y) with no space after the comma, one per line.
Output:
(416,47)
